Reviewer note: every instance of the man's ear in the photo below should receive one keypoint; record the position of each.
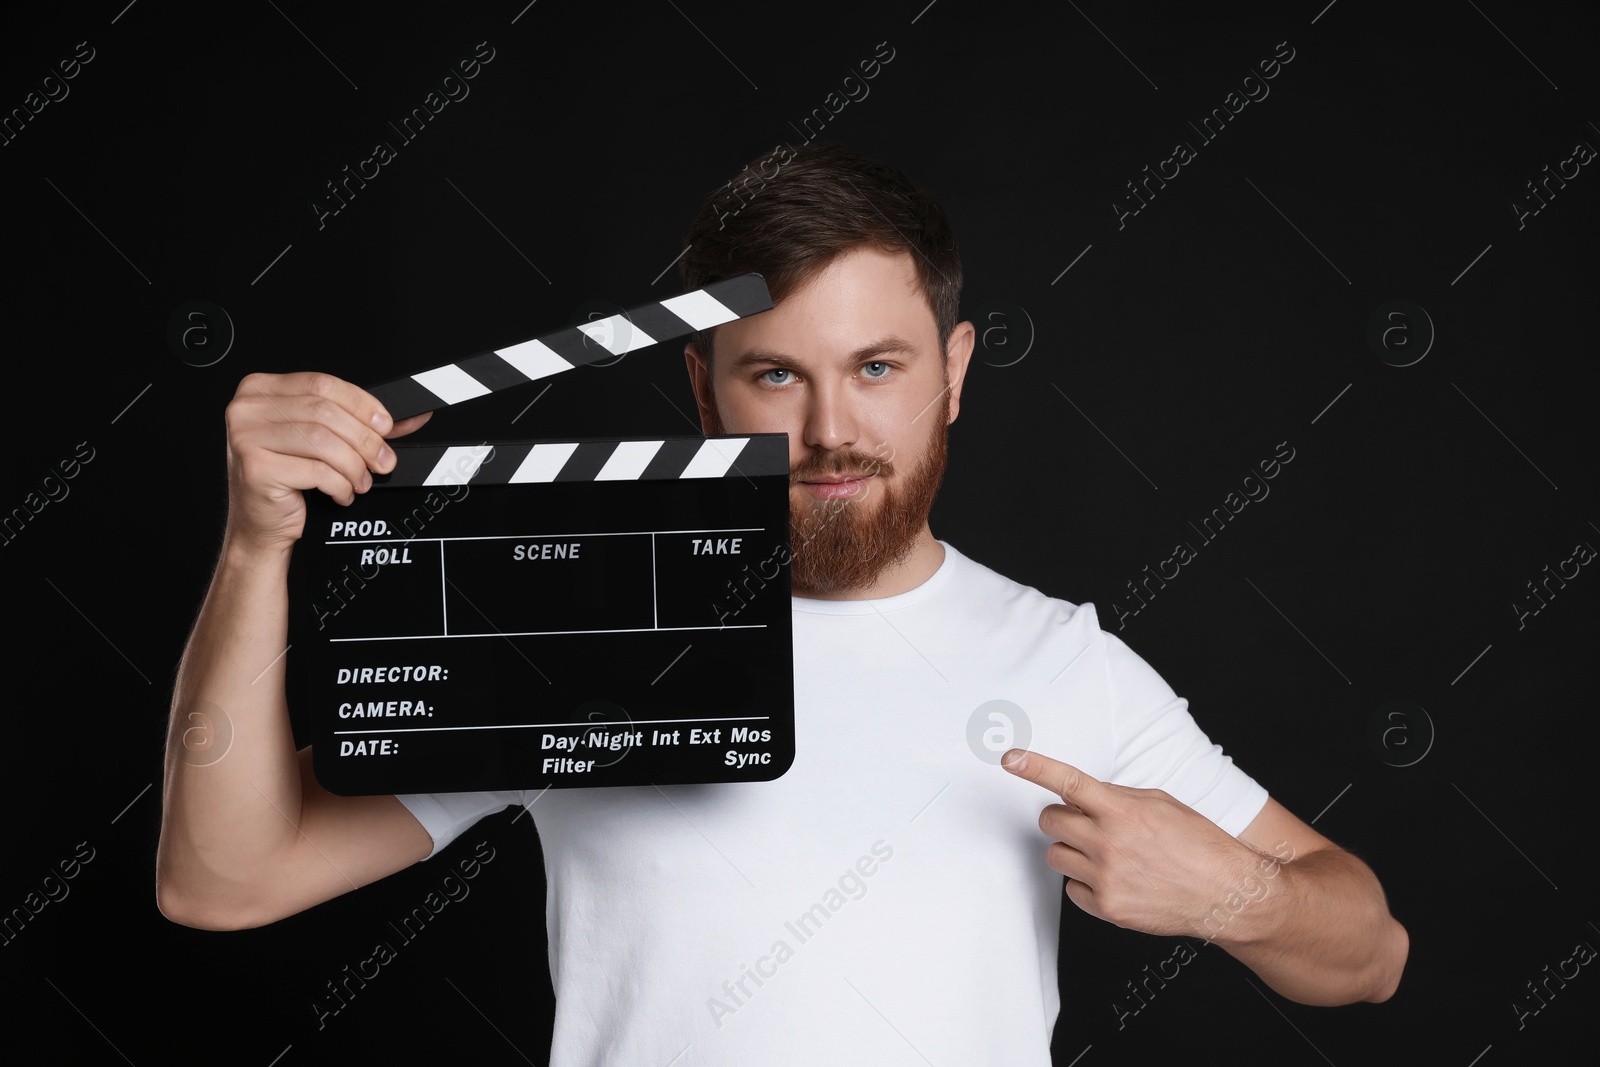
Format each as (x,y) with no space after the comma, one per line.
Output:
(700,382)
(958,356)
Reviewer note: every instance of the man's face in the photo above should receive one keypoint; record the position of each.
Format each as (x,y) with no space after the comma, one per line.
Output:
(851,368)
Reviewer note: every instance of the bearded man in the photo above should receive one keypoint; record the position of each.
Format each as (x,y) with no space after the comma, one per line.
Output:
(890,889)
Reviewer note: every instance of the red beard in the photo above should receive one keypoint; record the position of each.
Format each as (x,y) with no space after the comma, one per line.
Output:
(844,544)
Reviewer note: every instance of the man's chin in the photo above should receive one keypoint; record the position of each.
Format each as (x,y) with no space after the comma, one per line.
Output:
(844,545)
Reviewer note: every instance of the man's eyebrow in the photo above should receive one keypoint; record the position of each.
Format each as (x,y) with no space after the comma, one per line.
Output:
(884,346)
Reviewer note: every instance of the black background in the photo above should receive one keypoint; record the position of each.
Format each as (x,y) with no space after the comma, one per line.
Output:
(1223,319)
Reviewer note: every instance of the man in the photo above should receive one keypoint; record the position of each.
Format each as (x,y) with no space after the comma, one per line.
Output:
(892,887)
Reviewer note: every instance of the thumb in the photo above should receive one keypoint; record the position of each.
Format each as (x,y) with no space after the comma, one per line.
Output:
(407,425)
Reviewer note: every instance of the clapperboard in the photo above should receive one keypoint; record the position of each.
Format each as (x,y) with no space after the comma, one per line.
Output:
(531,614)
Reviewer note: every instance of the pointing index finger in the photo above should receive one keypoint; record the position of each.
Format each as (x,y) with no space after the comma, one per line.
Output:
(1062,779)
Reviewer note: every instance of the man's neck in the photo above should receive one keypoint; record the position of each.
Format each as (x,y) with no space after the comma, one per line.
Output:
(927,555)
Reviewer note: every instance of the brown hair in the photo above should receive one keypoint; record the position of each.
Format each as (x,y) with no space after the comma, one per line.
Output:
(789,212)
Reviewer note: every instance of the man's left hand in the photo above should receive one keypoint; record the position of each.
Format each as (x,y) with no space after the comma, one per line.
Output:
(1137,857)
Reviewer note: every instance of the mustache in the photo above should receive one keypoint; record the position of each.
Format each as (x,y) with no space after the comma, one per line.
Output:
(851,463)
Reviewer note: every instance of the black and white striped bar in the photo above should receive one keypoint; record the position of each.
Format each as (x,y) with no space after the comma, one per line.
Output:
(641,459)
(575,346)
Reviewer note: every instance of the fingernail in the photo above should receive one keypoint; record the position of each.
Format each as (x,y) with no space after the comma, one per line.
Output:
(1015,760)
(381,421)
(385,455)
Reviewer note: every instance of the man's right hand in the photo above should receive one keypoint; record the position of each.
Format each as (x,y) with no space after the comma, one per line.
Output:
(250,836)
(289,432)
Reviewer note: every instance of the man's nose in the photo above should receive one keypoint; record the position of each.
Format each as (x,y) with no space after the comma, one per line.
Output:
(831,421)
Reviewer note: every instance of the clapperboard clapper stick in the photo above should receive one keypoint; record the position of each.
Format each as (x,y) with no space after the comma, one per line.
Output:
(547,613)
(575,346)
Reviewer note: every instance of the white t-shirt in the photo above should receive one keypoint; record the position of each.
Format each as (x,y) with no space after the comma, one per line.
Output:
(888,897)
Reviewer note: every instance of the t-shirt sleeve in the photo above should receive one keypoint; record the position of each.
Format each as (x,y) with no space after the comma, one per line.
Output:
(448,815)
(1160,746)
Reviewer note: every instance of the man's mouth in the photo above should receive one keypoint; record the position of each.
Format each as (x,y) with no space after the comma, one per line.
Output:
(832,486)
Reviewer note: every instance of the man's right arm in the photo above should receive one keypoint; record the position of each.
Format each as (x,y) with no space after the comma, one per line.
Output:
(251,837)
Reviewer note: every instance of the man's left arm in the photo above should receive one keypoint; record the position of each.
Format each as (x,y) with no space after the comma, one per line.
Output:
(1305,915)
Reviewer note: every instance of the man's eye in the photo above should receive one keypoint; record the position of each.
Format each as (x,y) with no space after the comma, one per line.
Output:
(777,376)
(875,369)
